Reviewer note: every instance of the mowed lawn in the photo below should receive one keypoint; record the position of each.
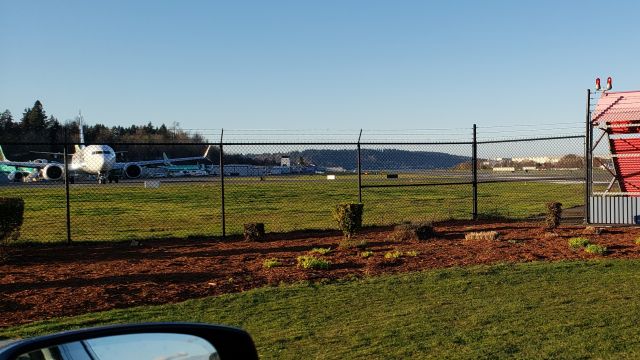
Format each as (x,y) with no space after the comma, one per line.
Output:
(129,211)
(535,310)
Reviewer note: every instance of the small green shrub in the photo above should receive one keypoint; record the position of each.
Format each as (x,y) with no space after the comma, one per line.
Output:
(321,251)
(11,217)
(412,253)
(393,255)
(349,218)
(553,215)
(312,262)
(366,254)
(271,263)
(637,241)
(353,244)
(595,249)
(254,232)
(578,242)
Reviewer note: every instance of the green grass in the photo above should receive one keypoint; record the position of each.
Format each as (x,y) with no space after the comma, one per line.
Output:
(127,212)
(537,310)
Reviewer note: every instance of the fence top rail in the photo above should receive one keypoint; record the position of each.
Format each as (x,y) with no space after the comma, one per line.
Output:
(232,143)
(531,139)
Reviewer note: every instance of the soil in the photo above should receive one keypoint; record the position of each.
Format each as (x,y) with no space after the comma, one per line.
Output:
(45,281)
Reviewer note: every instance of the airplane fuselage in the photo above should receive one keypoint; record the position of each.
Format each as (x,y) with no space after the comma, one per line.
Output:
(93,159)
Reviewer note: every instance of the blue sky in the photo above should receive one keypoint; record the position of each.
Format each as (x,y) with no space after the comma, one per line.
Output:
(315,65)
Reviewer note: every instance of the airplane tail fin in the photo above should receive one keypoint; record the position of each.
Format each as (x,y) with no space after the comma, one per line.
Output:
(206,153)
(166,159)
(2,157)
(80,125)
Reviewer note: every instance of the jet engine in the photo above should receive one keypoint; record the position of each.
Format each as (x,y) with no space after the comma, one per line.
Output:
(132,171)
(53,172)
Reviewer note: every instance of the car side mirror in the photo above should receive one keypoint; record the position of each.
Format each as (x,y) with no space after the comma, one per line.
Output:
(152,341)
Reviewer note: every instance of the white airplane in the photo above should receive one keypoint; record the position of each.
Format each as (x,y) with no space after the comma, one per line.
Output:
(98,160)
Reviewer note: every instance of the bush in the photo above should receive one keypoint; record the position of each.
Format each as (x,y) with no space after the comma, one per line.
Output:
(11,217)
(554,213)
(349,218)
(393,255)
(353,244)
(481,235)
(595,249)
(637,240)
(578,242)
(312,262)
(412,253)
(406,232)
(366,254)
(321,251)
(271,263)
(254,232)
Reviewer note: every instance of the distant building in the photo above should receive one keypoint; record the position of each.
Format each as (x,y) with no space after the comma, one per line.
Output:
(285,161)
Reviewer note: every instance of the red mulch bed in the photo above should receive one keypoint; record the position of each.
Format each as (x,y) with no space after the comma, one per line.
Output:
(45,281)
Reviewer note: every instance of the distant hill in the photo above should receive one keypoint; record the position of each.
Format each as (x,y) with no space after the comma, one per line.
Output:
(387,159)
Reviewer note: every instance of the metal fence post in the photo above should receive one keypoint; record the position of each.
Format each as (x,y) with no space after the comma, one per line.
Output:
(66,185)
(224,230)
(359,170)
(474,172)
(588,153)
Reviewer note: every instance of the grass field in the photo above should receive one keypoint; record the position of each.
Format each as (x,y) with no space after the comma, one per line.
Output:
(129,211)
(536,310)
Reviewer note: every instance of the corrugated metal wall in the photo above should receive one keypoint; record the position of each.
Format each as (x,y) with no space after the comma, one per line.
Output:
(615,210)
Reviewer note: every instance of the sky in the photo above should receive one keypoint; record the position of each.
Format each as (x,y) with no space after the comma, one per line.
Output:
(318,65)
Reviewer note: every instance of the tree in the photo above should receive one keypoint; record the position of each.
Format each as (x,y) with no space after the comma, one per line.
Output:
(35,119)
(6,121)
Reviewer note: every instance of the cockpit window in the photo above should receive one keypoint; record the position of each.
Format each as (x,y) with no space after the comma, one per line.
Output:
(101,152)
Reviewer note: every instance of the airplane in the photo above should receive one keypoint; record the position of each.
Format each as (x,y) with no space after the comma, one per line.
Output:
(98,160)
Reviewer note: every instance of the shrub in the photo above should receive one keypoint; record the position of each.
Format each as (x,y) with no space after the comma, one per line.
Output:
(406,232)
(312,262)
(366,254)
(637,241)
(353,244)
(578,242)
(349,218)
(271,263)
(321,251)
(554,213)
(481,235)
(412,253)
(11,217)
(254,232)
(595,249)
(393,255)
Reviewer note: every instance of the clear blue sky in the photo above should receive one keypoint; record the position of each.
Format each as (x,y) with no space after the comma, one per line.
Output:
(315,64)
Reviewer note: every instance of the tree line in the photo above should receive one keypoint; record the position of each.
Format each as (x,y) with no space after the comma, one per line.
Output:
(35,126)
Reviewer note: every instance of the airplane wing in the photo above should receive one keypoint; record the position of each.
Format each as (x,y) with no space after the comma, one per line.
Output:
(24,164)
(165,160)
(49,153)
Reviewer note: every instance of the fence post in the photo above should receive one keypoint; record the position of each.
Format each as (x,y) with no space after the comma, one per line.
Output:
(66,184)
(224,230)
(588,153)
(359,170)
(474,171)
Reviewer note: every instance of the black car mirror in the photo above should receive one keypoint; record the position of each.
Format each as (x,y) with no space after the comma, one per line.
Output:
(160,341)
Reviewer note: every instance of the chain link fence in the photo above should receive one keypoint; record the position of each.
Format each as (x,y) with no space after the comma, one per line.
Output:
(133,191)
